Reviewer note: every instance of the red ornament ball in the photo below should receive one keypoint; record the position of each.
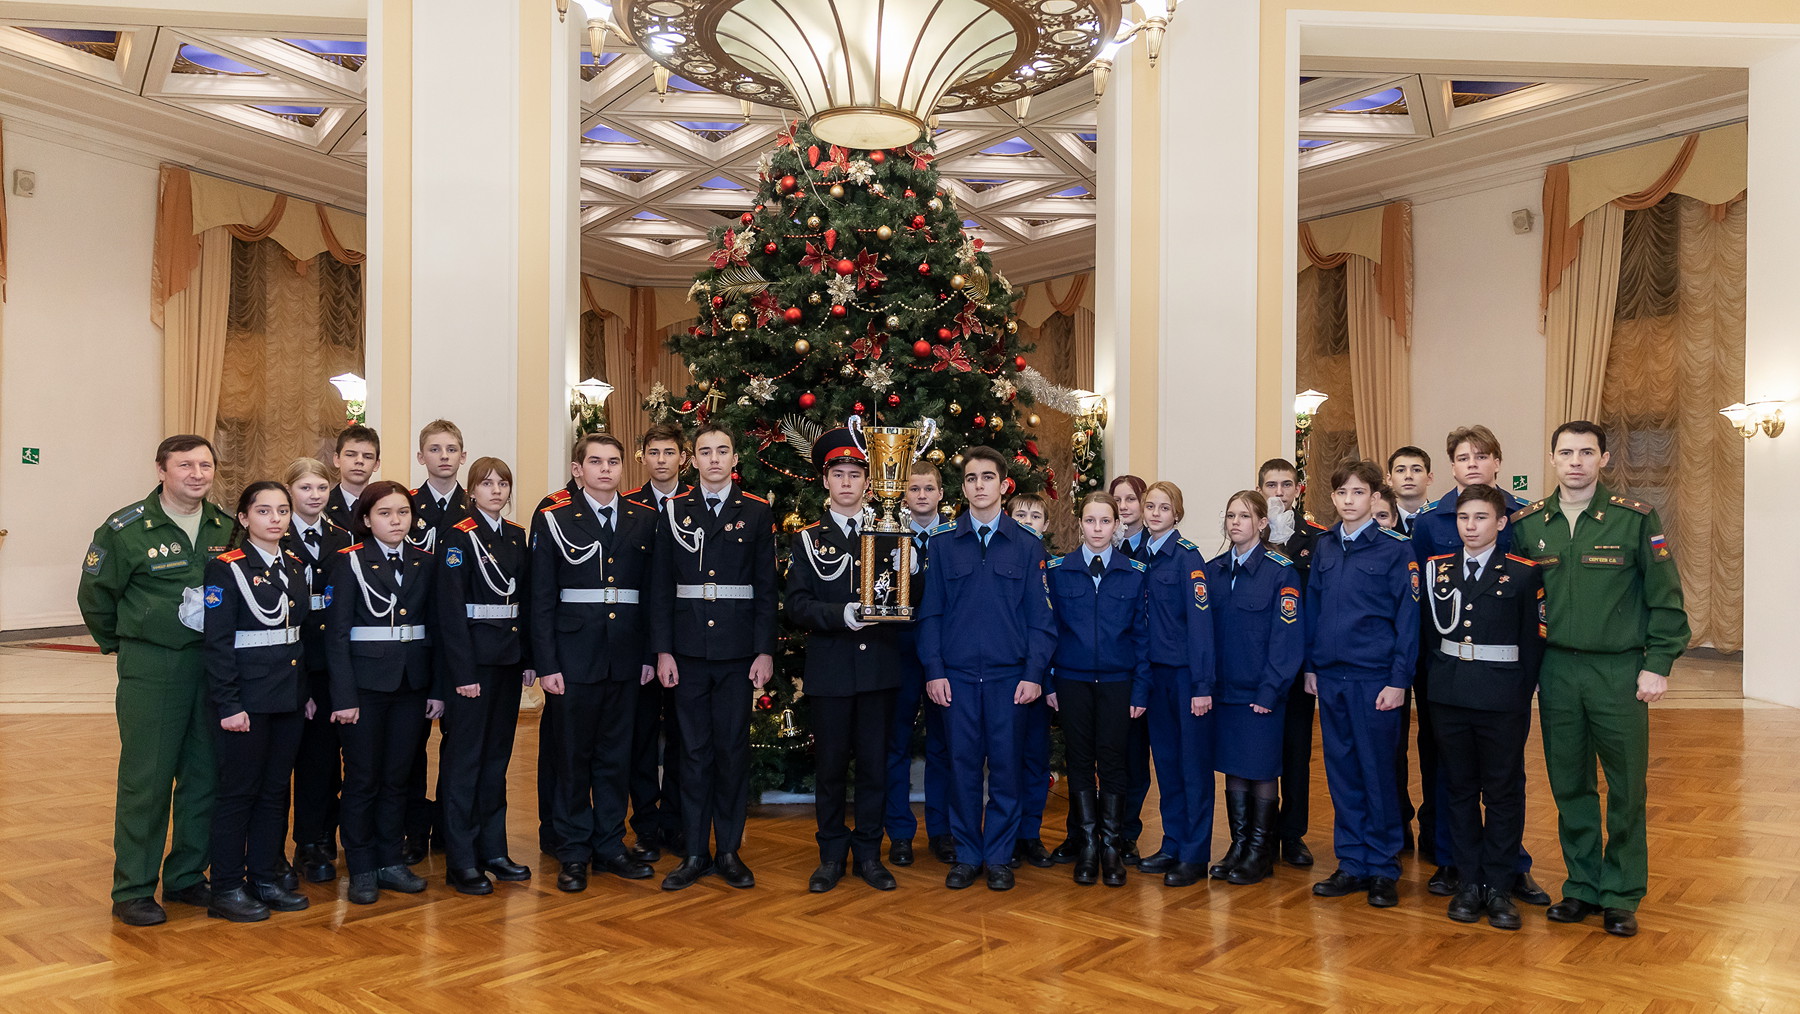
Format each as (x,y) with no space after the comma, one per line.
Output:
(765,703)
(945,334)
(718,301)
(925,268)
(845,267)
(909,193)
(893,401)
(687,406)
(979,421)
(977,243)
(918,221)
(837,310)
(808,399)
(792,315)
(770,247)
(921,348)
(745,218)
(878,157)
(1018,362)
(788,183)
(859,408)
(1021,459)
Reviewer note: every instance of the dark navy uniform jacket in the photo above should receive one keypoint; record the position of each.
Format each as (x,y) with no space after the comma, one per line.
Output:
(1434,528)
(695,548)
(1362,607)
(261,679)
(364,592)
(589,642)
(1257,619)
(317,562)
(1299,546)
(1181,608)
(1502,607)
(986,616)
(1102,633)
(490,571)
(824,574)
(431,523)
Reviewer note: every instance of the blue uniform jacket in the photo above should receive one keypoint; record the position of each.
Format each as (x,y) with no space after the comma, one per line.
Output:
(1103,633)
(1362,607)
(1258,625)
(986,617)
(1181,625)
(1434,528)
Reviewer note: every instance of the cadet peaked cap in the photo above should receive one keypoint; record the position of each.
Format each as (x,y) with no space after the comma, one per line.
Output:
(835,445)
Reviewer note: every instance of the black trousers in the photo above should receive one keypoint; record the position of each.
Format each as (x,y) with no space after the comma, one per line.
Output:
(1296,761)
(1137,774)
(250,814)
(1483,755)
(845,729)
(712,705)
(655,763)
(318,774)
(593,766)
(1096,723)
(378,756)
(472,762)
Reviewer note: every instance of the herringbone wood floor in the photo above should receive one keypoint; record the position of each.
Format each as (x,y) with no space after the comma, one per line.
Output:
(1721,927)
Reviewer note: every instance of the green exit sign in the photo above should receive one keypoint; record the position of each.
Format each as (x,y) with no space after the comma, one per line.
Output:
(1519,484)
(29,455)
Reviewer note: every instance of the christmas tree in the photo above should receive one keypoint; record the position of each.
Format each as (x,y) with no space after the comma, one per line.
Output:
(850,288)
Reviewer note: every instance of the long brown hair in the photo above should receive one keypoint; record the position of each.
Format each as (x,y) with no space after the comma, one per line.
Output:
(1258,504)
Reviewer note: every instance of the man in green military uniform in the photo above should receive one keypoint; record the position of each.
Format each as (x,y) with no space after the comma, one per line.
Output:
(141,598)
(1615,625)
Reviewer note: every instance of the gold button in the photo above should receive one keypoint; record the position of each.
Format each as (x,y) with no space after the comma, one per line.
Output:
(710,574)
(515,630)
(402,612)
(609,580)
(609,559)
(1469,608)
(709,622)
(293,662)
(612,616)
(1468,623)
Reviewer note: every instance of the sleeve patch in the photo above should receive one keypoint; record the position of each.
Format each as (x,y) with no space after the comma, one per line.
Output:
(1200,594)
(1412,569)
(215,595)
(96,556)
(1659,546)
(1290,604)
(453,557)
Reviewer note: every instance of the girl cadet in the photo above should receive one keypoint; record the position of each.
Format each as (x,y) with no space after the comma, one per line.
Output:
(482,577)
(318,768)
(1101,680)
(1259,633)
(256,602)
(1181,690)
(382,679)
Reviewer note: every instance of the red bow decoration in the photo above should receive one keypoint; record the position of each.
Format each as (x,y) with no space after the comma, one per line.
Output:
(786,140)
(1050,483)
(870,346)
(866,271)
(766,308)
(921,159)
(764,434)
(967,320)
(814,259)
(838,161)
(950,358)
(725,255)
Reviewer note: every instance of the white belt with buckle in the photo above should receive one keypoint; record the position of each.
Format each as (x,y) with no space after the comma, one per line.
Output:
(1479,652)
(266,638)
(712,592)
(493,612)
(415,632)
(606,595)
(318,603)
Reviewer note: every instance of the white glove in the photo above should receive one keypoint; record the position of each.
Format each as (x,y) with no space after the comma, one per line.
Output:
(850,619)
(192,611)
(1281,526)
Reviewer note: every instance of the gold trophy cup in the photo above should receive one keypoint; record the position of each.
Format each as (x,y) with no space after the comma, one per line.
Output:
(887,576)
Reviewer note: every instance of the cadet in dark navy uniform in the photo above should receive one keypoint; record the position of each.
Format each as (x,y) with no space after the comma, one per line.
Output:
(256,603)
(924,492)
(712,626)
(1293,535)
(357,459)
(484,577)
(591,556)
(852,668)
(378,639)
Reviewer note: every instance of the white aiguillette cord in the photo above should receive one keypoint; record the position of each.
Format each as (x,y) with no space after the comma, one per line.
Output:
(812,557)
(695,545)
(268,617)
(1452,596)
(369,594)
(565,547)
(485,560)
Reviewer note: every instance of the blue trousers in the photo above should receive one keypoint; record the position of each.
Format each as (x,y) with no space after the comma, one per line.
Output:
(1181,744)
(985,730)
(1034,771)
(900,821)
(1359,744)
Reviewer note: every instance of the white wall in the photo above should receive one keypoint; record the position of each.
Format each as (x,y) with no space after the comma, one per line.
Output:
(1477,355)
(80,367)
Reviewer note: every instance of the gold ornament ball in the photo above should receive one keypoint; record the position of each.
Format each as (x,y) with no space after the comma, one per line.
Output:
(837,190)
(957,461)
(813,299)
(884,233)
(812,222)
(703,385)
(739,322)
(934,205)
(1032,420)
(802,346)
(996,423)
(955,408)
(793,522)
(892,321)
(935,456)
(1012,327)
(958,281)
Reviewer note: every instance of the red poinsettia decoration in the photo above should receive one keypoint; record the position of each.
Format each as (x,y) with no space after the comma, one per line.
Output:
(866,271)
(921,159)
(953,358)
(837,162)
(871,345)
(727,255)
(764,433)
(814,259)
(786,140)
(766,307)
(968,322)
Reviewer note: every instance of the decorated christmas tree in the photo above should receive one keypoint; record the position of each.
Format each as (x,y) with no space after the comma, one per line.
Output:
(849,288)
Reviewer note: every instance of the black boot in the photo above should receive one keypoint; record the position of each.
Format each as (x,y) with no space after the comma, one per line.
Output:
(1081,833)
(1237,814)
(1259,845)
(1112,840)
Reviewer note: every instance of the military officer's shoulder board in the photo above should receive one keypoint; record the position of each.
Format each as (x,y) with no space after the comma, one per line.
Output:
(1430,505)
(1186,544)
(125,517)
(753,496)
(1637,505)
(1443,556)
(812,526)
(351,548)
(1278,558)
(554,504)
(1526,560)
(233,556)
(948,526)
(1055,561)
(1315,526)
(515,524)
(1526,511)
(1392,534)
(1138,565)
(465,525)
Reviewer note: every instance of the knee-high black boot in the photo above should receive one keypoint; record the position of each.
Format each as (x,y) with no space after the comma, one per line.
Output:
(1259,845)
(1112,858)
(1237,813)
(1081,833)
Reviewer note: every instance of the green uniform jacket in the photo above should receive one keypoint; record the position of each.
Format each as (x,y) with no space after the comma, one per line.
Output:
(1612,586)
(137,569)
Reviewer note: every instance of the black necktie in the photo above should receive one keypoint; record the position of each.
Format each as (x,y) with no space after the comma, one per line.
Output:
(311,537)
(712,504)
(1096,567)
(1235,567)
(1474,570)
(982,532)
(850,529)
(606,520)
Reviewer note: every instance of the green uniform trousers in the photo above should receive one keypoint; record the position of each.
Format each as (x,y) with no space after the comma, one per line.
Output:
(165,740)
(1587,702)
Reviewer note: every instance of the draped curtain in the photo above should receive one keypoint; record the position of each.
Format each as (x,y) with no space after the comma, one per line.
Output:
(1063,351)
(1323,363)
(629,350)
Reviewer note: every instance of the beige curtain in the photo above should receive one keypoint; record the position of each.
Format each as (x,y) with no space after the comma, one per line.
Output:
(292,326)
(1323,363)
(194,325)
(1578,326)
(1380,365)
(1676,356)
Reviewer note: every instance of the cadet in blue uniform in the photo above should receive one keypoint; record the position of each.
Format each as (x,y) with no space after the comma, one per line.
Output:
(986,634)
(1293,536)
(1362,639)
(1182,674)
(1030,510)
(377,631)
(484,644)
(256,603)
(712,627)
(1256,616)
(924,492)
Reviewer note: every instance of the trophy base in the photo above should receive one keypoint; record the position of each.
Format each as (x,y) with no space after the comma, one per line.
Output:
(886,614)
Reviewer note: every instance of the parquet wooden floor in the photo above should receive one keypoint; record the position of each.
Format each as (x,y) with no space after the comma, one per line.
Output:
(1721,927)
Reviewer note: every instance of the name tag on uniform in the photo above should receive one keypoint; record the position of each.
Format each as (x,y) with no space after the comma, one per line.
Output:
(1603,559)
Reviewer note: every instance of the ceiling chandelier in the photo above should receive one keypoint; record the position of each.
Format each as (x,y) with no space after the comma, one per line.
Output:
(874,73)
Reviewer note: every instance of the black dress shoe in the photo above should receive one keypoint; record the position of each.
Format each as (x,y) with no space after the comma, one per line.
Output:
(1468,905)
(1065,853)
(691,869)
(1500,911)
(733,871)
(943,848)
(1444,882)
(1339,884)
(1128,851)
(875,875)
(900,852)
(399,878)
(1527,890)
(278,898)
(469,881)
(1183,874)
(1000,878)
(364,889)
(1571,910)
(504,868)
(1032,850)
(236,905)
(1161,862)
(572,878)
(623,865)
(1382,892)
(286,877)
(961,875)
(1620,922)
(412,853)
(316,864)
(645,851)
(139,912)
(198,895)
(826,876)
(1295,853)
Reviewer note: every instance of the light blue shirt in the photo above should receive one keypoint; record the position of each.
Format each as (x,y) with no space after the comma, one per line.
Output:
(1088,556)
(1157,543)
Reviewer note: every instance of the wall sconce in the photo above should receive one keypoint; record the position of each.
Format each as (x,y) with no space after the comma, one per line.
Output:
(1307,403)
(355,392)
(1763,415)
(587,405)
